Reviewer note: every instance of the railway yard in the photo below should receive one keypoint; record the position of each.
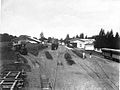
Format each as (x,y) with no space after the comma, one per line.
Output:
(64,69)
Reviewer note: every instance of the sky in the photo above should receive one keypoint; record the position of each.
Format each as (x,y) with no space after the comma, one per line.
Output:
(56,18)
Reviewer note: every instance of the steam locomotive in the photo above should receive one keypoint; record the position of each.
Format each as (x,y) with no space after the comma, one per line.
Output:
(21,49)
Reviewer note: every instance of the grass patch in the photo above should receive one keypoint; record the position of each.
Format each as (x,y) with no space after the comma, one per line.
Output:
(70,62)
(48,55)
(68,58)
(34,48)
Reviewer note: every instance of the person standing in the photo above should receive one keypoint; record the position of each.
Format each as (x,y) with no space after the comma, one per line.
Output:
(90,54)
(83,55)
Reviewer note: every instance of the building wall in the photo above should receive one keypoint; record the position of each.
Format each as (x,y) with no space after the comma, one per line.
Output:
(80,45)
(83,44)
(89,47)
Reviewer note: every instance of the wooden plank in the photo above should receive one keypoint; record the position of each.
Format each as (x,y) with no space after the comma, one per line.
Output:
(12,88)
(2,82)
(7,74)
(5,77)
(17,75)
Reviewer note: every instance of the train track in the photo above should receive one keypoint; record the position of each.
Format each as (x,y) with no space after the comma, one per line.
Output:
(106,79)
(105,74)
(57,60)
(43,69)
(11,80)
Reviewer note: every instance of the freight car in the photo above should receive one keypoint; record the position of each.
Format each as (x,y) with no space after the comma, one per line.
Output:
(113,54)
(55,44)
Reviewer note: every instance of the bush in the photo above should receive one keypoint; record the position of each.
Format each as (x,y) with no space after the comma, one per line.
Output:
(48,55)
(68,58)
(70,62)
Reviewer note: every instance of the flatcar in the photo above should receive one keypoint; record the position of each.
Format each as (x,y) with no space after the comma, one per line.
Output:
(113,54)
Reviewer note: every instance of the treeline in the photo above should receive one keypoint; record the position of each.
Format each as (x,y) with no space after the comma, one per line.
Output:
(81,36)
(102,40)
(6,37)
(107,40)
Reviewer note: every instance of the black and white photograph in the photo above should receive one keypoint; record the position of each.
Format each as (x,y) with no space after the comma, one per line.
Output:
(59,44)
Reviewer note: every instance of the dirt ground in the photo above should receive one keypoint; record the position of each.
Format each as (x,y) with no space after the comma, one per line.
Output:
(86,74)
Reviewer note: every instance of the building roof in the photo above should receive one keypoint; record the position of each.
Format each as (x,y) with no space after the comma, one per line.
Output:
(25,37)
(89,44)
(83,40)
(76,39)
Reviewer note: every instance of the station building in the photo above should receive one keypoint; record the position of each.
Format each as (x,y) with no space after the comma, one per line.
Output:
(86,44)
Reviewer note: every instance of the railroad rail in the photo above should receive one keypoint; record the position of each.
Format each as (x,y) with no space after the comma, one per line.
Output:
(10,80)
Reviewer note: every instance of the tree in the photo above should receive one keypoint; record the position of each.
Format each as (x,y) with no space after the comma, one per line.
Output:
(100,39)
(107,34)
(86,37)
(67,39)
(82,36)
(117,41)
(73,37)
(77,36)
(107,40)
(49,39)
(41,35)
(42,38)
(111,34)
(6,37)
(61,40)
(102,32)
(117,35)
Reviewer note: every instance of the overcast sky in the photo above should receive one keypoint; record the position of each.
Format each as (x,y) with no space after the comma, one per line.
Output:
(56,18)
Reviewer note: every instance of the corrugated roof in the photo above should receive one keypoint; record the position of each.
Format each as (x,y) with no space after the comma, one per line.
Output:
(24,37)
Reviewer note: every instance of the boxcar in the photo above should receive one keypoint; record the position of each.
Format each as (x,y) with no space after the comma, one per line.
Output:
(111,53)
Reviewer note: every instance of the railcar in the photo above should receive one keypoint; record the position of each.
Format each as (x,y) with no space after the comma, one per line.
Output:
(55,44)
(113,54)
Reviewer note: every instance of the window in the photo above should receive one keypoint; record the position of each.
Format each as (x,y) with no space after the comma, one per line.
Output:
(80,45)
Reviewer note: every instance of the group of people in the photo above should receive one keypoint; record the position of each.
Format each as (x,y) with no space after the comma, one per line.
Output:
(84,56)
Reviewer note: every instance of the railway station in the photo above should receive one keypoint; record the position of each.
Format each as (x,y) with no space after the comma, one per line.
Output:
(60,45)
